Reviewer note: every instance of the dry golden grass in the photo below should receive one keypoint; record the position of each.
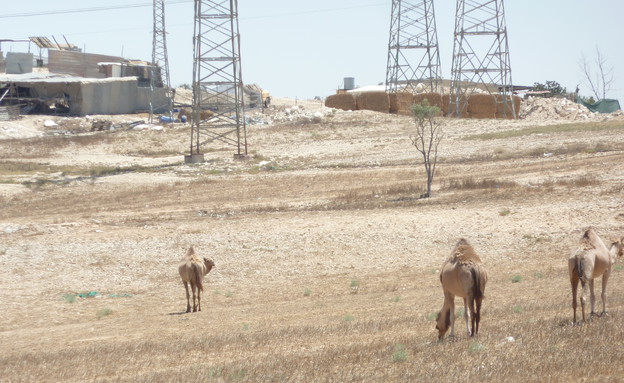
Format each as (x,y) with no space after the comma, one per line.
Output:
(347,337)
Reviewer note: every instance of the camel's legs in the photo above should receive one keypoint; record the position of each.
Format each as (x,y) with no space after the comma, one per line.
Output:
(198,299)
(193,287)
(592,296)
(451,303)
(477,315)
(583,297)
(574,280)
(603,296)
(472,317)
(467,312)
(188,298)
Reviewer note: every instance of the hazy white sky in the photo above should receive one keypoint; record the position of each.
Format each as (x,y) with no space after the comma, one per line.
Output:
(305,49)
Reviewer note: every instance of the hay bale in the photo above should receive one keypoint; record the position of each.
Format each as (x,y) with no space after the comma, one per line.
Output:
(345,101)
(401,103)
(446,99)
(500,107)
(482,106)
(375,101)
(435,99)
(450,109)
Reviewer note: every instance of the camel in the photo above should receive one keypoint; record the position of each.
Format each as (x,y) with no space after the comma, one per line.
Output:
(588,261)
(192,269)
(462,275)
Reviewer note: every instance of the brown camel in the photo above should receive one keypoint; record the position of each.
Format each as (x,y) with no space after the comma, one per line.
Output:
(462,275)
(192,270)
(588,261)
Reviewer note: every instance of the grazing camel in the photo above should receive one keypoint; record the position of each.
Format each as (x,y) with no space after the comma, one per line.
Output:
(462,275)
(588,261)
(192,270)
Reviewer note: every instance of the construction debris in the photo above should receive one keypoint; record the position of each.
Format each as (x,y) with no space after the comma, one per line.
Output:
(539,108)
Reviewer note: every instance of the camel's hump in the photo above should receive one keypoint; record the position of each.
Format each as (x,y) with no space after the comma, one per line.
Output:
(588,240)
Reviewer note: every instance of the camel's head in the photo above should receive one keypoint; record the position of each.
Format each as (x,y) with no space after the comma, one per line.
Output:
(443,322)
(617,248)
(190,251)
(209,264)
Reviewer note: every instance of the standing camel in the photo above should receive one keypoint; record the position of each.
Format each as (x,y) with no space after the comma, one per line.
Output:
(588,261)
(462,275)
(192,270)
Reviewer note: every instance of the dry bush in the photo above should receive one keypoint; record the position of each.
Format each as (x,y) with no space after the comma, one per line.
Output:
(574,182)
(469,183)
(552,129)
(434,99)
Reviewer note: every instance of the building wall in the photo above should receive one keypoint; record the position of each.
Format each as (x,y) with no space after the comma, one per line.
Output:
(114,96)
(160,101)
(78,63)
(17,63)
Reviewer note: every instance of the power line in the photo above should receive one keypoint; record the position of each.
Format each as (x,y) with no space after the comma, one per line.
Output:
(143,5)
(84,10)
(307,12)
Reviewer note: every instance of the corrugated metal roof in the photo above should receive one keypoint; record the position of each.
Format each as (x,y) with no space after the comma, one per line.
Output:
(58,77)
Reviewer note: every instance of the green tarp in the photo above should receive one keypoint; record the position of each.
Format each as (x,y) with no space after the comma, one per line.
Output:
(606,105)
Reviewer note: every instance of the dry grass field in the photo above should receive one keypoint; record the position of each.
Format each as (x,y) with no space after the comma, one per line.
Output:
(326,258)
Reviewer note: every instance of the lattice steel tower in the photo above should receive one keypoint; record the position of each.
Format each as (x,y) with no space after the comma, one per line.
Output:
(160,59)
(481,56)
(413,55)
(217,78)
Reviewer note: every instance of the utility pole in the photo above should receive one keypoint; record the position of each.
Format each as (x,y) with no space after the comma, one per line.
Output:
(218,106)
(413,56)
(159,77)
(481,56)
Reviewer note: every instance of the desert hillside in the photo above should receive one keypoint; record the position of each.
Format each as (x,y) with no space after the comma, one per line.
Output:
(327,259)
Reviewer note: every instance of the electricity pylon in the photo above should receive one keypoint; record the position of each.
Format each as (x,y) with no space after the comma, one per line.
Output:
(160,61)
(413,56)
(217,78)
(481,56)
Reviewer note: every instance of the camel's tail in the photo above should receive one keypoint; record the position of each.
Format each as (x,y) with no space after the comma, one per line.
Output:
(580,267)
(479,277)
(197,276)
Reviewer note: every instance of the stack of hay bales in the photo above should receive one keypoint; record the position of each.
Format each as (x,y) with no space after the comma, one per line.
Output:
(401,103)
(446,100)
(481,106)
(375,101)
(345,101)
(449,107)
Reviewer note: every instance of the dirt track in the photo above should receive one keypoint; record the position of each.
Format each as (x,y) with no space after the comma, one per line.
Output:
(325,256)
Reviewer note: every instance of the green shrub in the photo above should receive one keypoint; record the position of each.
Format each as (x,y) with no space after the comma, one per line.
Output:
(104,312)
(400,353)
(475,346)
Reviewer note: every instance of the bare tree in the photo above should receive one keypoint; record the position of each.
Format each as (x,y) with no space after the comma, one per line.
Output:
(602,79)
(427,138)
